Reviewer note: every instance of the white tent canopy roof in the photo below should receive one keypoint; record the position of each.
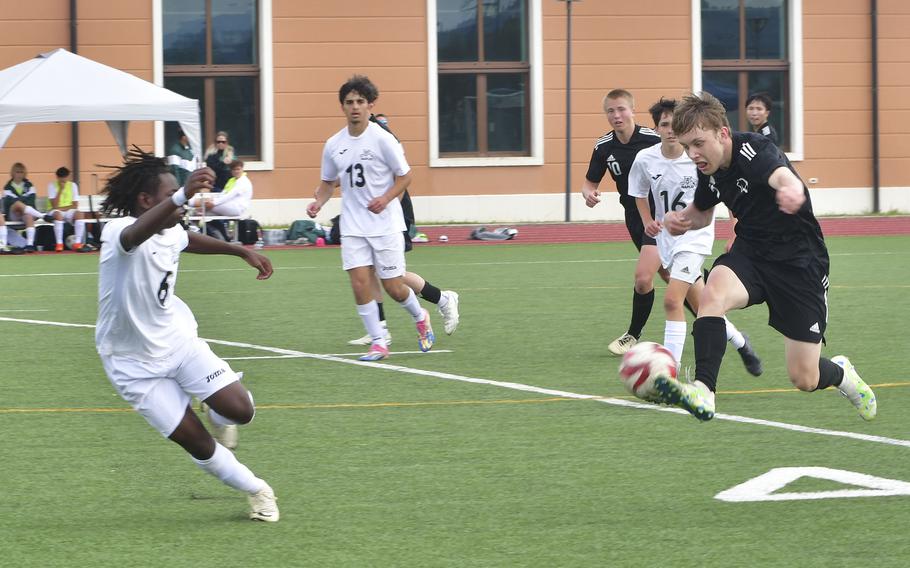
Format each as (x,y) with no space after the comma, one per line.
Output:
(59,86)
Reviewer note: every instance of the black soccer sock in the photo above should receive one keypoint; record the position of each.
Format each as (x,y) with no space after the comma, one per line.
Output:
(641,309)
(381,311)
(710,337)
(830,374)
(430,293)
(689,307)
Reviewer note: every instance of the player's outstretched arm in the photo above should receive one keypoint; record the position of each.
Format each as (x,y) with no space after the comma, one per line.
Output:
(323,194)
(652,227)
(790,190)
(204,244)
(159,216)
(689,219)
(590,193)
(377,204)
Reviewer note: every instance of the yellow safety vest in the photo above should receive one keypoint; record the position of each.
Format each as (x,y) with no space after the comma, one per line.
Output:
(65,194)
(230,184)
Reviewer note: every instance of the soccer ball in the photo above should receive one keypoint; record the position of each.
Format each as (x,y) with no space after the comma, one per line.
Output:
(642,364)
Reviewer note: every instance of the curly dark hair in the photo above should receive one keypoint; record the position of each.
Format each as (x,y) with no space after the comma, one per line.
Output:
(658,109)
(361,84)
(139,173)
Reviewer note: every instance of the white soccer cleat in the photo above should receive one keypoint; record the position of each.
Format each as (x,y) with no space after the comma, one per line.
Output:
(367,340)
(450,312)
(264,506)
(227,435)
(855,389)
(621,344)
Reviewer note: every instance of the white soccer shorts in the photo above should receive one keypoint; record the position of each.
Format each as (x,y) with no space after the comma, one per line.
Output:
(686,266)
(385,254)
(161,390)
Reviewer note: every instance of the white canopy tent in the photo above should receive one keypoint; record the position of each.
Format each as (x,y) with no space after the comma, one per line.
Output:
(59,86)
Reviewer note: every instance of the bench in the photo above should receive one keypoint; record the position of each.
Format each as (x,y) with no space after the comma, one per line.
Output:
(199,216)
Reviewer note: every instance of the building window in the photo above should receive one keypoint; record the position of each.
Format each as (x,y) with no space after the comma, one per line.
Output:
(211,53)
(483,78)
(745,49)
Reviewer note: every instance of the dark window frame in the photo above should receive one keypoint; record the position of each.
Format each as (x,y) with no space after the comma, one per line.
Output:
(209,72)
(743,65)
(480,69)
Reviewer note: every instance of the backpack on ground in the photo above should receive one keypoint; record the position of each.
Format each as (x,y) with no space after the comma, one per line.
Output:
(248,231)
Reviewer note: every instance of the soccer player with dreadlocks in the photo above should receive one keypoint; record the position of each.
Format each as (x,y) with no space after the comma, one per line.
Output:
(146,336)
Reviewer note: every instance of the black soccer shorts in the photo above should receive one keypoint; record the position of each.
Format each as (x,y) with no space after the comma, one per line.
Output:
(797,295)
(636,228)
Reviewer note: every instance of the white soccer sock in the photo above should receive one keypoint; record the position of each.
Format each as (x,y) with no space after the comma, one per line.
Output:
(369,313)
(30,236)
(412,305)
(58,232)
(675,338)
(80,230)
(2,235)
(734,336)
(224,465)
(29,210)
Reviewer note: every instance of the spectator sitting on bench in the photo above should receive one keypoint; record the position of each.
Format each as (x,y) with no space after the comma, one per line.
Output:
(19,203)
(4,247)
(233,201)
(63,197)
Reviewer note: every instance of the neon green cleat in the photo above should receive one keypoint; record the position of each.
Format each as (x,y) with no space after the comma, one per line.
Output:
(695,398)
(855,389)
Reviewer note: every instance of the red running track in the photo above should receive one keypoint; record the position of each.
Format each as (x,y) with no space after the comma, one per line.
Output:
(616,232)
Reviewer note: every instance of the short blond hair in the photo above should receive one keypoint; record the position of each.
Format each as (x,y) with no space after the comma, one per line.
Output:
(619,94)
(699,110)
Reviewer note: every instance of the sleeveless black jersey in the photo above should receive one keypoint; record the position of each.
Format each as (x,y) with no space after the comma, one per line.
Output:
(611,155)
(763,231)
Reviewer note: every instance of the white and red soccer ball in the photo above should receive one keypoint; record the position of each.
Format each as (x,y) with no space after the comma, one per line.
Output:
(642,364)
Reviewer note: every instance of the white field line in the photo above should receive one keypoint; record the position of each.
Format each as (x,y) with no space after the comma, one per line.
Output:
(253,357)
(527,388)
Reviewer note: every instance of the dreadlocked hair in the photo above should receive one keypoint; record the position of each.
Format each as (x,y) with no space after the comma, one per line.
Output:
(139,173)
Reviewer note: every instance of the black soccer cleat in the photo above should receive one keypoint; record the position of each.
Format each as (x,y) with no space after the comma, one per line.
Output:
(750,358)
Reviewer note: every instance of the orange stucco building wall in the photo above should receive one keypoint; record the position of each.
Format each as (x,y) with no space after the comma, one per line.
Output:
(318,44)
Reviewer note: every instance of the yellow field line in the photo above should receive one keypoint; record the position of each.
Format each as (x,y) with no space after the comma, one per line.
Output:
(406,404)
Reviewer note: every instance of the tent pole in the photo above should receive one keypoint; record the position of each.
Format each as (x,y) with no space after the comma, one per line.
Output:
(74,126)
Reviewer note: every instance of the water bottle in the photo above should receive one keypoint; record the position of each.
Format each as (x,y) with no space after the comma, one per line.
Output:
(259,242)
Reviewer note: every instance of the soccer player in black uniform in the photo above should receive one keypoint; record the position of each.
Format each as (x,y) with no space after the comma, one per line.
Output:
(778,258)
(614,152)
(758,109)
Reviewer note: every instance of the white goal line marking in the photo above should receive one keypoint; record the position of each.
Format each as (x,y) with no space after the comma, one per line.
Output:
(526,388)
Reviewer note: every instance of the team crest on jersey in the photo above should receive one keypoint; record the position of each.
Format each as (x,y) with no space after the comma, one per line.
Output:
(367,154)
(688,182)
(743,185)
